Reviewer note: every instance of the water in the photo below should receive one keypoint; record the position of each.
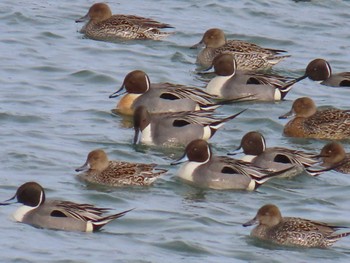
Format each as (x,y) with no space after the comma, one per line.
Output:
(54,109)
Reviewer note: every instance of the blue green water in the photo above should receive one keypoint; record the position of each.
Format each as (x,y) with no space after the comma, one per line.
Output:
(54,109)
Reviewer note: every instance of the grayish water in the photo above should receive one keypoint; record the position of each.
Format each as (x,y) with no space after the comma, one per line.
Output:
(54,109)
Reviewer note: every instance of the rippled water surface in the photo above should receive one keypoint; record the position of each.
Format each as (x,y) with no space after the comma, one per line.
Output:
(54,109)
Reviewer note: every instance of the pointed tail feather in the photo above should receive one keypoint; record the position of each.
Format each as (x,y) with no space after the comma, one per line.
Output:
(99,223)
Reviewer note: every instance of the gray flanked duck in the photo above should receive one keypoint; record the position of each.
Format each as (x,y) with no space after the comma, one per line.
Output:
(292,231)
(162,97)
(202,169)
(55,214)
(230,82)
(100,170)
(320,70)
(275,158)
(172,129)
(102,25)
(248,56)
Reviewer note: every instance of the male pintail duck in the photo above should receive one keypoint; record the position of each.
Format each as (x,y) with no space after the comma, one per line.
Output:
(320,70)
(233,83)
(98,169)
(55,214)
(292,231)
(248,56)
(204,170)
(332,154)
(102,25)
(179,128)
(275,158)
(309,122)
(162,97)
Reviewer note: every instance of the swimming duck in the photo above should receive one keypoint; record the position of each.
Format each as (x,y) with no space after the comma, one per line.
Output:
(55,214)
(332,154)
(179,128)
(275,158)
(204,170)
(292,231)
(98,169)
(309,122)
(233,83)
(102,25)
(248,56)
(162,97)
(320,70)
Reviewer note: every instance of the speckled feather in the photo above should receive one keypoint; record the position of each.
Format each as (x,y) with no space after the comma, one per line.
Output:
(123,173)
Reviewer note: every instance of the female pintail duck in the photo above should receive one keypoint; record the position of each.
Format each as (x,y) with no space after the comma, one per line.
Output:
(292,231)
(248,56)
(309,122)
(161,97)
(332,154)
(102,25)
(98,169)
(179,128)
(204,170)
(55,214)
(320,70)
(275,158)
(233,83)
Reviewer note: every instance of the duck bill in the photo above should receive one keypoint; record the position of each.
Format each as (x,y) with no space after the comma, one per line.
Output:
(118,92)
(198,45)
(287,115)
(83,19)
(251,222)
(236,151)
(85,167)
(6,202)
(182,159)
(137,136)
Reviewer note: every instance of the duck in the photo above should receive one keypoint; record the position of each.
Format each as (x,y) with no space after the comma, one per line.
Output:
(162,97)
(98,169)
(333,153)
(102,25)
(275,159)
(292,231)
(204,170)
(248,56)
(56,214)
(170,129)
(320,70)
(230,82)
(310,122)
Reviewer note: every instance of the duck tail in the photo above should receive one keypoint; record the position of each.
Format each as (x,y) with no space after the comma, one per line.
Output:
(262,179)
(288,86)
(99,223)
(334,238)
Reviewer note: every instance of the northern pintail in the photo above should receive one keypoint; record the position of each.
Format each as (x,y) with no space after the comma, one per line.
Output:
(161,97)
(275,158)
(320,70)
(292,231)
(102,25)
(98,169)
(332,154)
(179,128)
(248,56)
(309,122)
(56,214)
(230,82)
(204,170)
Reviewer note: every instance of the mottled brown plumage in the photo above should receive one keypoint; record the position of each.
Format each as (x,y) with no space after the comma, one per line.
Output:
(292,231)
(102,25)
(309,122)
(248,56)
(98,169)
(333,153)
